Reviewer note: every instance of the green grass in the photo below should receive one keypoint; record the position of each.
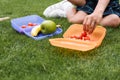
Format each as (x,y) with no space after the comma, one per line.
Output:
(22,58)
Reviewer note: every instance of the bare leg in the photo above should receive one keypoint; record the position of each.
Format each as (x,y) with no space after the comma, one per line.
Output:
(74,16)
(78,2)
(111,21)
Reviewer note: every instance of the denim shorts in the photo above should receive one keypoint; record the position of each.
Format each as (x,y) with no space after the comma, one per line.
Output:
(112,8)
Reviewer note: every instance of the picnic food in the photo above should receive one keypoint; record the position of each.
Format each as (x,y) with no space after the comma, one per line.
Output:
(82,36)
(48,26)
(30,24)
(23,26)
(74,31)
(35,30)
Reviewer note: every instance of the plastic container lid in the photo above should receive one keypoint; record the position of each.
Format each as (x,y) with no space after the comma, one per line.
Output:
(41,36)
(18,22)
(96,38)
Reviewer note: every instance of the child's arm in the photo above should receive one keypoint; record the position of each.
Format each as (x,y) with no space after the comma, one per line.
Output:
(93,19)
(78,2)
(101,6)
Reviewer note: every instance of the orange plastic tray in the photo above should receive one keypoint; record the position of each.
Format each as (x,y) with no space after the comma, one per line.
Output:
(96,38)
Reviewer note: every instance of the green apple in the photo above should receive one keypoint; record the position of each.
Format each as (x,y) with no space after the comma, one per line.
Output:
(48,26)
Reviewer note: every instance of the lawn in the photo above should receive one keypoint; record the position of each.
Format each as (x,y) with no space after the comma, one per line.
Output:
(22,58)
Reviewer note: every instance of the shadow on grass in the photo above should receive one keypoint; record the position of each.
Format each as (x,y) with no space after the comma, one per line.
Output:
(75,53)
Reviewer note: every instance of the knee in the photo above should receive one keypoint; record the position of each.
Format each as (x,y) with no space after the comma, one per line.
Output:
(115,22)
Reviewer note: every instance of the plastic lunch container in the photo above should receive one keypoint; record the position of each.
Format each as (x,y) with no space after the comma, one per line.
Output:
(96,38)
(18,22)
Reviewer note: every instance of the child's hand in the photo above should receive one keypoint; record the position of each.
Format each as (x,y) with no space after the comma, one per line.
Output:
(91,21)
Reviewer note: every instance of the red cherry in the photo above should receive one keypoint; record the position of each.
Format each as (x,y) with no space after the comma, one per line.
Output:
(81,37)
(76,36)
(23,26)
(87,38)
(84,34)
(30,24)
(72,36)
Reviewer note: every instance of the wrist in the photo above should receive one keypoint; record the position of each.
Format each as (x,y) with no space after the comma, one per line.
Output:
(100,12)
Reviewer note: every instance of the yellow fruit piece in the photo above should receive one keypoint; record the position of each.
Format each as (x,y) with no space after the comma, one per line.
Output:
(35,30)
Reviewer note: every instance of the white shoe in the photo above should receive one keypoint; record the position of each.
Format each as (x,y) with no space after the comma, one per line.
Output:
(58,10)
(57,13)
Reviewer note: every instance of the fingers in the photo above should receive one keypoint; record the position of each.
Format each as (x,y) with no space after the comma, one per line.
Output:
(89,24)
(85,28)
(92,27)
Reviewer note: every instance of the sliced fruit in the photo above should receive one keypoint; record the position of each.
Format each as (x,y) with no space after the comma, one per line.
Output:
(35,30)
(23,26)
